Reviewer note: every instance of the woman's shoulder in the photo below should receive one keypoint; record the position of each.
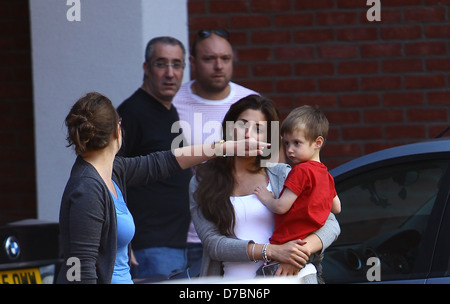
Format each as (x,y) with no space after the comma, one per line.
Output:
(277,175)
(87,183)
(279,168)
(83,176)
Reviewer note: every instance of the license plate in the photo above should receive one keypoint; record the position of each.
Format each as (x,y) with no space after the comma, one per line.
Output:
(21,276)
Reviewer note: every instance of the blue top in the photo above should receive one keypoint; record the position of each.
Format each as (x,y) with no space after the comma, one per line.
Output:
(125,232)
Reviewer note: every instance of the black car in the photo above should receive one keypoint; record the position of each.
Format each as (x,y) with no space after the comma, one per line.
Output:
(29,252)
(395,219)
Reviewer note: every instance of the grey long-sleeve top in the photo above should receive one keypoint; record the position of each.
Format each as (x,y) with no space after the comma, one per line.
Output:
(218,248)
(88,227)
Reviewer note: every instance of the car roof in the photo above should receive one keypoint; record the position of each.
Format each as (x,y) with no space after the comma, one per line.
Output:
(434,146)
(14,222)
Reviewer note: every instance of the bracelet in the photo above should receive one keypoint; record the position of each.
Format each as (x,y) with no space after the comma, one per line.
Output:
(218,148)
(264,253)
(253,253)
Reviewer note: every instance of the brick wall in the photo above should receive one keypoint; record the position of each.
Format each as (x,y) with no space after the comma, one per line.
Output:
(17,164)
(380,84)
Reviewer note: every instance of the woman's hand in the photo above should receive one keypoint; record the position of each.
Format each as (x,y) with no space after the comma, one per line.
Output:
(244,147)
(293,253)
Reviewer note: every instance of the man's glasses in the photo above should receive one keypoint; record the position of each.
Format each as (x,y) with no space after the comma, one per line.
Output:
(162,65)
(219,32)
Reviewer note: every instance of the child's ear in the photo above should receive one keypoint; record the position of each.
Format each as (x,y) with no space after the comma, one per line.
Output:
(319,142)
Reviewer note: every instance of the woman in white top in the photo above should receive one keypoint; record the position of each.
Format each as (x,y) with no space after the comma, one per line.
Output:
(232,223)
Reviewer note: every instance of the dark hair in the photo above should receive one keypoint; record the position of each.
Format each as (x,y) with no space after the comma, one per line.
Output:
(91,123)
(215,177)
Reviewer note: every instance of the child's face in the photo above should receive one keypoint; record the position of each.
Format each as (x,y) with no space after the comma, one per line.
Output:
(298,149)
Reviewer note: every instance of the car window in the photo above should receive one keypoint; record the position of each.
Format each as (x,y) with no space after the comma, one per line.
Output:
(385,213)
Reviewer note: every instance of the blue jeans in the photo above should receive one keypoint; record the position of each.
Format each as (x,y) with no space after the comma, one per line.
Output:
(159,260)
(194,253)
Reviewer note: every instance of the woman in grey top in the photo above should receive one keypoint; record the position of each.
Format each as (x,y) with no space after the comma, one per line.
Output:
(88,221)
(223,185)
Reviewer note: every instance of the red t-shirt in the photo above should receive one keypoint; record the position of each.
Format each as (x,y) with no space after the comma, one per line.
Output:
(315,189)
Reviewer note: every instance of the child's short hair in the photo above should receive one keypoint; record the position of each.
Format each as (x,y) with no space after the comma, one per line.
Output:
(307,118)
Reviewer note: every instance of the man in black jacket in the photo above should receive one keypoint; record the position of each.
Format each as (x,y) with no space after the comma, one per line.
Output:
(161,209)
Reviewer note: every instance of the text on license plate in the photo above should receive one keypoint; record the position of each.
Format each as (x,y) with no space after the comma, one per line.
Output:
(21,276)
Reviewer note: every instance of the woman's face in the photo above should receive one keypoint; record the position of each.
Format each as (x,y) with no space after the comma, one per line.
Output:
(251,124)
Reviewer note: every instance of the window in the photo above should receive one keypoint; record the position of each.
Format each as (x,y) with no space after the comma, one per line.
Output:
(385,213)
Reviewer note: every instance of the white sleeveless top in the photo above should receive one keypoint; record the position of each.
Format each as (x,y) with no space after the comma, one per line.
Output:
(253,222)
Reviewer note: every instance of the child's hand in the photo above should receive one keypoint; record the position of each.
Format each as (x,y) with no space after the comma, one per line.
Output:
(263,194)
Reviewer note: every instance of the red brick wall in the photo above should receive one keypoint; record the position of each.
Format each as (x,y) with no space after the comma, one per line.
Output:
(17,160)
(380,84)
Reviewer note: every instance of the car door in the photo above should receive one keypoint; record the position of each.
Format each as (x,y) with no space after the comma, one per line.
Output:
(391,215)
(440,269)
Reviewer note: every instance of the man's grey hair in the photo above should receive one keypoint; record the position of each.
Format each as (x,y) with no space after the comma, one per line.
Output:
(149,50)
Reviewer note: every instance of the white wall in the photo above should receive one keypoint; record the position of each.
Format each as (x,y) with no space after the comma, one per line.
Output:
(103,52)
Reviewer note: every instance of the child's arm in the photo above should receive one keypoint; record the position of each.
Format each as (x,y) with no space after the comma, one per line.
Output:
(336,206)
(279,206)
